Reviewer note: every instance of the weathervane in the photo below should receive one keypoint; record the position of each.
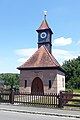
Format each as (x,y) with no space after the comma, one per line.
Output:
(45,14)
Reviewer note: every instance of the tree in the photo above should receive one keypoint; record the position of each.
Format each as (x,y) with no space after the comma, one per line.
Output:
(72,68)
(10,80)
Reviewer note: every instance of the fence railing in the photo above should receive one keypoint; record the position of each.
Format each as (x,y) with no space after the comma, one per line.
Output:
(65,98)
(69,99)
(37,99)
(5,97)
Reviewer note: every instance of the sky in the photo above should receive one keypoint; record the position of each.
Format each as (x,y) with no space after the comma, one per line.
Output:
(19,20)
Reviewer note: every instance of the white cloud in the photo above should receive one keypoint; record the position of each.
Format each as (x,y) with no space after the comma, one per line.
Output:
(62,41)
(25,52)
(23,59)
(60,55)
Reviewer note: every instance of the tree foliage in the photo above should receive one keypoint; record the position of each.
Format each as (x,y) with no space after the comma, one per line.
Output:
(72,68)
(10,80)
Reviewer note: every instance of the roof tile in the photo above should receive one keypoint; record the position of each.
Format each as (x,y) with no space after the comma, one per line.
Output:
(41,58)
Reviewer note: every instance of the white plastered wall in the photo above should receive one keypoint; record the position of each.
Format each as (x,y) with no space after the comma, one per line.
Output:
(60,83)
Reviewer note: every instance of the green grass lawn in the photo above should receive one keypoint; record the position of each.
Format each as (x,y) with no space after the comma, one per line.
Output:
(77,91)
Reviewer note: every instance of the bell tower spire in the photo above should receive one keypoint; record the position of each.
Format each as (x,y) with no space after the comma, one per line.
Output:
(45,34)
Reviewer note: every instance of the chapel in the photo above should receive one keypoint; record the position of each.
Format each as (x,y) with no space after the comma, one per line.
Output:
(42,73)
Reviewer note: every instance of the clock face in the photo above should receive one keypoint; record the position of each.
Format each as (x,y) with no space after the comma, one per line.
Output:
(43,35)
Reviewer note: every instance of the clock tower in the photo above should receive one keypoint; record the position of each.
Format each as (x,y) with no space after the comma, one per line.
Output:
(45,34)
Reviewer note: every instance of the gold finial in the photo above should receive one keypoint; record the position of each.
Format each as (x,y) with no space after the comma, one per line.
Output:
(45,14)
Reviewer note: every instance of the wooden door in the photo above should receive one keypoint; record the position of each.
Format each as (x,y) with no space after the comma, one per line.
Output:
(37,86)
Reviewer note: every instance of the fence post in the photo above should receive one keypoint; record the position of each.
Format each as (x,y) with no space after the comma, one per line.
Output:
(60,105)
(12,96)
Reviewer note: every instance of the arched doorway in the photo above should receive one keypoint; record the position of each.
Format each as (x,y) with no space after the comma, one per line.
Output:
(37,86)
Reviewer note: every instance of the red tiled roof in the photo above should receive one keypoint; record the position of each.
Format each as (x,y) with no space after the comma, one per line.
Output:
(44,25)
(41,58)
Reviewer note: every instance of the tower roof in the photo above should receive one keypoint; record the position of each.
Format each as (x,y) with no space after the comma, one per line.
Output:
(44,25)
(41,58)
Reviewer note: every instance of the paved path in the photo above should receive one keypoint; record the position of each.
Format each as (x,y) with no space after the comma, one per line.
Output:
(42,111)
